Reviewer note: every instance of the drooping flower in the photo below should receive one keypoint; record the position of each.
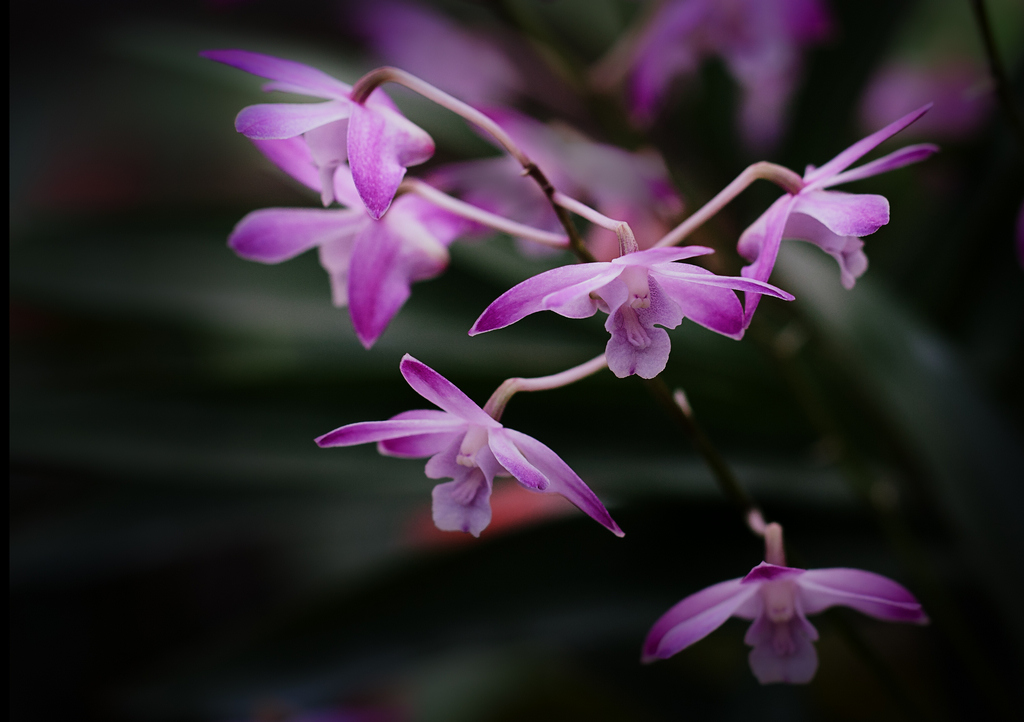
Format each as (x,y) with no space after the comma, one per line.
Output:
(637,291)
(759,40)
(832,220)
(371,262)
(631,187)
(778,599)
(378,142)
(465,444)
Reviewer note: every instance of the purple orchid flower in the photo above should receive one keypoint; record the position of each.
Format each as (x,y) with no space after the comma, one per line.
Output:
(778,599)
(636,290)
(759,40)
(832,220)
(378,142)
(467,445)
(371,263)
(632,187)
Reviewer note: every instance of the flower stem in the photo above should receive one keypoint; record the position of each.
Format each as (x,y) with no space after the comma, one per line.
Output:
(495,405)
(375,78)
(479,215)
(783,177)
(627,241)
(720,469)
(995,65)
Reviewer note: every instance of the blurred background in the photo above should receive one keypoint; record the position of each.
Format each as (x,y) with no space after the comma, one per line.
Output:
(181,550)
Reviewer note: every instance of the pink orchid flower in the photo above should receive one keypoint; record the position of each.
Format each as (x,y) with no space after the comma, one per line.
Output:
(465,444)
(371,263)
(832,220)
(759,40)
(636,290)
(631,187)
(778,599)
(376,140)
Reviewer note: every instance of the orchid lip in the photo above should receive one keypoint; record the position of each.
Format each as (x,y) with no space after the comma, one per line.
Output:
(635,331)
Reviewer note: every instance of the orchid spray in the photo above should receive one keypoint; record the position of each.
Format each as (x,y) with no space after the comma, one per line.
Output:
(355,148)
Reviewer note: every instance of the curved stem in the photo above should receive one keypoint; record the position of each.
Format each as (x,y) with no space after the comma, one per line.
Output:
(375,78)
(724,476)
(495,405)
(479,215)
(627,241)
(783,177)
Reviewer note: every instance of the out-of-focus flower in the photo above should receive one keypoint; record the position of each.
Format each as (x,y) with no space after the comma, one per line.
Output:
(760,41)
(378,142)
(465,444)
(636,290)
(371,262)
(462,63)
(779,598)
(631,187)
(832,220)
(960,90)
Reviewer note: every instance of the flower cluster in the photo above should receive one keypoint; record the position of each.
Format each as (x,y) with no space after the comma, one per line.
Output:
(390,230)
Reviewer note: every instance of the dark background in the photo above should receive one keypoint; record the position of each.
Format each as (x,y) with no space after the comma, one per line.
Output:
(180,549)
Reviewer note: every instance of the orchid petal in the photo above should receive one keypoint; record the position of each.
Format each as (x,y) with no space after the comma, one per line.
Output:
(286,120)
(528,297)
(869,593)
(420,445)
(563,480)
(896,159)
(293,157)
(438,390)
(510,457)
(272,235)
(661,255)
(367,431)
(695,617)
(648,358)
(714,308)
(856,151)
(845,214)
(760,244)
(796,665)
(696,275)
(463,504)
(847,250)
(295,76)
(386,258)
(381,144)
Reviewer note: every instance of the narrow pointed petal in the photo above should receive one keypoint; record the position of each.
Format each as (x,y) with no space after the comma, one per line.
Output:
(510,457)
(896,159)
(417,446)
(463,504)
(563,480)
(714,308)
(295,76)
(367,431)
(698,276)
(856,151)
(381,144)
(438,390)
(760,244)
(293,157)
(695,617)
(661,255)
(272,235)
(528,297)
(869,593)
(845,214)
(286,120)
